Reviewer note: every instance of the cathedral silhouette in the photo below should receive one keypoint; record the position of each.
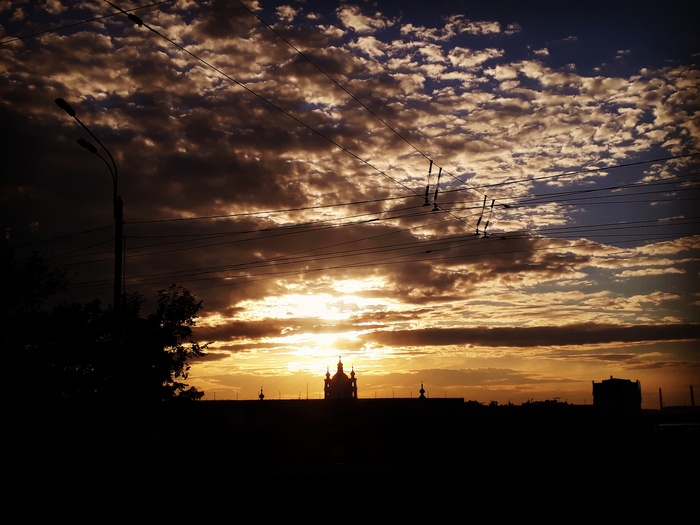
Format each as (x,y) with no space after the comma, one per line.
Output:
(340,386)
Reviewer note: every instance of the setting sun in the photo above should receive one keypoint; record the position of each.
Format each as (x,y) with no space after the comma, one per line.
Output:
(495,200)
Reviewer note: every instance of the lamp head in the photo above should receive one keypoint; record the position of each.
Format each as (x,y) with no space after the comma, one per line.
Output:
(87,145)
(65,106)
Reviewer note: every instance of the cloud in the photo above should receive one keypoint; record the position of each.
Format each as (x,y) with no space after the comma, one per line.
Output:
(537,336)
(258,174)
(286,13)
(353,18)
(455,25)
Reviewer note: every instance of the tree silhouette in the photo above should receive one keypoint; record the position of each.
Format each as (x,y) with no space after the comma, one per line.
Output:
(71,352)
(156,347)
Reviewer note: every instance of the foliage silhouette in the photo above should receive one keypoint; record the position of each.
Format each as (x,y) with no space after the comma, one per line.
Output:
(70,352)
(160,359)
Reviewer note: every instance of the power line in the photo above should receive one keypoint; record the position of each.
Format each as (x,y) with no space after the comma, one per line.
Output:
(560,199)
(305,57)
(139,22)
(82,22)
(591,170)
(351,95)
(268,212)
(414,251)
(315,226)
(312,226)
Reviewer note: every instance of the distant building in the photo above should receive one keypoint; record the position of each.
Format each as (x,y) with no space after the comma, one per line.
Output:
(340,386)
(617,396)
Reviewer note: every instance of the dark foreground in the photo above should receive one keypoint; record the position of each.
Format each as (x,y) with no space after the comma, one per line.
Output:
(391,432)
(415,445)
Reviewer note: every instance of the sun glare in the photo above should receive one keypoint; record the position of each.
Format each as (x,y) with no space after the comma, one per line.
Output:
(322,306)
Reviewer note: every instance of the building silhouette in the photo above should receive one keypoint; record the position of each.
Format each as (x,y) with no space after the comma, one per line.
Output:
(340,386)
(321,440)
(616,395)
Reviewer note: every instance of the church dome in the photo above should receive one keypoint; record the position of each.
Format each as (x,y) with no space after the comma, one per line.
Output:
(340,386)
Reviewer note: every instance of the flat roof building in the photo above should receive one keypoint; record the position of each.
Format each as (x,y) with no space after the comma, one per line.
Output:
(616,395)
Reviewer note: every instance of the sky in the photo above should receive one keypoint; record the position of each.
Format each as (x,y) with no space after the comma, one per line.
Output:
(495,200)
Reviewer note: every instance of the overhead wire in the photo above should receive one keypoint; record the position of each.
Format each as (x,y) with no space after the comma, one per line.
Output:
(529,180)
(82,22)
(363,105)
(589,170)
(432,245)
(141,23)
(296,226)
(398,259)
(295,229)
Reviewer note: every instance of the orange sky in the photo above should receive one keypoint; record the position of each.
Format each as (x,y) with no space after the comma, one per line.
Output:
(498,203)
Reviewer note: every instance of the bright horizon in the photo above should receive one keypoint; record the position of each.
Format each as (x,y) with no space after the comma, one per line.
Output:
(495,200)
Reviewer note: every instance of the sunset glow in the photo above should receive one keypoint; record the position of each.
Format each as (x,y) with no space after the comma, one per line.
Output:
(492,200)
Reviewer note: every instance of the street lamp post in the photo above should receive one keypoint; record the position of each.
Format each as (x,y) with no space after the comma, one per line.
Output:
(116,200)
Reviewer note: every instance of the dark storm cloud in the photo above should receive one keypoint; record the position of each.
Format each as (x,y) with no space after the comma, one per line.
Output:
(224,19)
(231,333)
(536,336)
(251,329)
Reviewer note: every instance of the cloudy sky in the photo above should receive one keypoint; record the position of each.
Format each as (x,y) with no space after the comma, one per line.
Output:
(497,200)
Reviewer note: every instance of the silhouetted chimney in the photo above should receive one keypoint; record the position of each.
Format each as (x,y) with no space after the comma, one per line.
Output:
(692,398)
(661,400)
